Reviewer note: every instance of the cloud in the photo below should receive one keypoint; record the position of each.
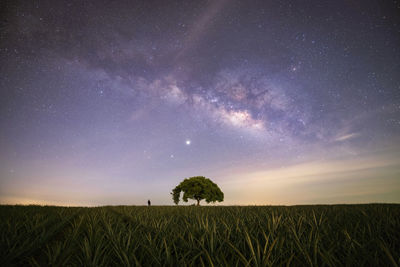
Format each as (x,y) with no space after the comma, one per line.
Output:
(321,181)
(347,137)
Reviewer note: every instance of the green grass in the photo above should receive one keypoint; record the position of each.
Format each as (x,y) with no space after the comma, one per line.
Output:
(354,235)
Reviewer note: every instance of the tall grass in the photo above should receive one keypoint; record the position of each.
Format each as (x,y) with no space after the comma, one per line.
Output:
(365,235)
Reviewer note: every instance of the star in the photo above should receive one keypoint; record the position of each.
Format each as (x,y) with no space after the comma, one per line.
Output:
(188,142)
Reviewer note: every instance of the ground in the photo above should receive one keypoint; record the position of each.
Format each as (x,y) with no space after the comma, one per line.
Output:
(331,235)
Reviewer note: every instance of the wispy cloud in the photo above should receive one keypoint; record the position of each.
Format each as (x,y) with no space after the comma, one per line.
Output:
(317,180)
(346,137)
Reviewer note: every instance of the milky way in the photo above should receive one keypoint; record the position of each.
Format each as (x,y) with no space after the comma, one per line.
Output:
(278,102)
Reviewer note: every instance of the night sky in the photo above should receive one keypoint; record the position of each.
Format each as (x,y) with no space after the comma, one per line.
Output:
(278,102)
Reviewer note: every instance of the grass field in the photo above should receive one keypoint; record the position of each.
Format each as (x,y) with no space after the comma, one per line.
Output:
(354,235)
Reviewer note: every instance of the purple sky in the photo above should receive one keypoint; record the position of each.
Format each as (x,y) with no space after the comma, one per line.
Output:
(278,102)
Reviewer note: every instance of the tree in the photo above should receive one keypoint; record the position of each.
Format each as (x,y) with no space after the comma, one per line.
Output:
(197,188)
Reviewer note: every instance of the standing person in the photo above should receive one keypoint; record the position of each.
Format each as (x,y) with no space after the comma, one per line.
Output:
(148,203)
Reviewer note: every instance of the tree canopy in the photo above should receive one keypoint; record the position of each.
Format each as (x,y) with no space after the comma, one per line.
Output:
(197,188)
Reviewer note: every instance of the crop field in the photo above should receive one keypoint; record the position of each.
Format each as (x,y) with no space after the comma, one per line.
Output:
(355,235)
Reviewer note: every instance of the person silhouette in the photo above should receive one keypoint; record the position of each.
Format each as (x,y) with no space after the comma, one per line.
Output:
(148,202)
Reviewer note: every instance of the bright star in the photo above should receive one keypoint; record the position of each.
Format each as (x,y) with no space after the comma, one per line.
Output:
(188,142)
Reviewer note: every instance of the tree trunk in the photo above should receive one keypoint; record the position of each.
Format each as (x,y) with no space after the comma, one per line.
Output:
(198,202)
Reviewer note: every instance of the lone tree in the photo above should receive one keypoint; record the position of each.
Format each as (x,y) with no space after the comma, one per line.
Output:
(197,188)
